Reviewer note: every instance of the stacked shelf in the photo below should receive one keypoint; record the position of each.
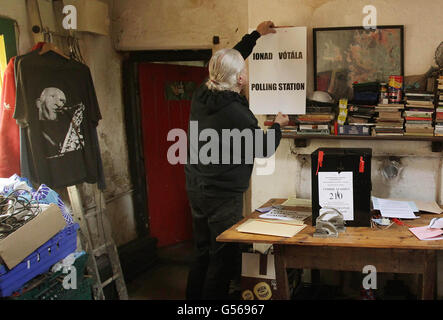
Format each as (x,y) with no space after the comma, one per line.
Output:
(439,108)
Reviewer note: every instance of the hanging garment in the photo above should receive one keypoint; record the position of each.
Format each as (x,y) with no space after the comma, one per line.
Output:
(57,108)
(9,131)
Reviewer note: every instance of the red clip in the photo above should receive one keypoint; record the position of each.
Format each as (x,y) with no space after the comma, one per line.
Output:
(320,161)
(401,223)
(362,165)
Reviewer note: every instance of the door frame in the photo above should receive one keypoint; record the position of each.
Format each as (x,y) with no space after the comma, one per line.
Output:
(133,124)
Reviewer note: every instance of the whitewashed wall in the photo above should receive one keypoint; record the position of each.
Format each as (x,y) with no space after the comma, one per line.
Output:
(292,175)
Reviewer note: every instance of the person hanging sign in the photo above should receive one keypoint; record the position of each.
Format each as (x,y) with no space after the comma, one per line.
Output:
(277,72)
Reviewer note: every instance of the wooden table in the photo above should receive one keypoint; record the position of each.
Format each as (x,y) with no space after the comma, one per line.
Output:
(394,250)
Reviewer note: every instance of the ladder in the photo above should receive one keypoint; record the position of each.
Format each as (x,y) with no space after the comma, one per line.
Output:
(104,243)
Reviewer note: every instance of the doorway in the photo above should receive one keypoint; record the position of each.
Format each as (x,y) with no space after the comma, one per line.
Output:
(158,91)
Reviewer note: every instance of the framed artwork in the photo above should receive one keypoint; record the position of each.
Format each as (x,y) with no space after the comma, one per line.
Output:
(346,55)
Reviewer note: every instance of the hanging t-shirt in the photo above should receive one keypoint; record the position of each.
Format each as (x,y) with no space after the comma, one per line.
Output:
(57,105)
(9,131)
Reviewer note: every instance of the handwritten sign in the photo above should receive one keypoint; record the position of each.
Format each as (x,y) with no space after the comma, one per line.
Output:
(277,72)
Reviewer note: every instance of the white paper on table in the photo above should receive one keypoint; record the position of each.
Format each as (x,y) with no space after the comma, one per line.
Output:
(412,204)
(293,202)
(426,206)
(394,209)
(436,223)
(270,228)
(277,72)
(335,190)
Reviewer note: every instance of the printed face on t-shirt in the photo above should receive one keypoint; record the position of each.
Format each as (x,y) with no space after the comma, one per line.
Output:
(51,102)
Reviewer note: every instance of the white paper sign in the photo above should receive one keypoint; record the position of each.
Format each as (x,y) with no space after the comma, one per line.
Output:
(277,72)
(335,190)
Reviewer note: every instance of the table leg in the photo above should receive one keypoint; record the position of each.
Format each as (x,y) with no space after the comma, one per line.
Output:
(315,276)
(429,276)
(280,273)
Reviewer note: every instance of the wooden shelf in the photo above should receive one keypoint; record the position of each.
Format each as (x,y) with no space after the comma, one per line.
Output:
(301,140)
(350,137)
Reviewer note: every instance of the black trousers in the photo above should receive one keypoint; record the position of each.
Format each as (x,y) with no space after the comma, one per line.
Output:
(215,264)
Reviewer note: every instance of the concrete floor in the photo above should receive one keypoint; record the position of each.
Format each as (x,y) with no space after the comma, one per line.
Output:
(167,279)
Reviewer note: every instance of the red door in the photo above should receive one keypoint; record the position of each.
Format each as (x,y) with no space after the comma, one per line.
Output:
(166,92)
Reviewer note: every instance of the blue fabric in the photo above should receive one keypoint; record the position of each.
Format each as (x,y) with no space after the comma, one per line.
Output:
(46,195)
(18,185)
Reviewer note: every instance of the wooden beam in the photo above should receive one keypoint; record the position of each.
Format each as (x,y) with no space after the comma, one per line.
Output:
(35,20)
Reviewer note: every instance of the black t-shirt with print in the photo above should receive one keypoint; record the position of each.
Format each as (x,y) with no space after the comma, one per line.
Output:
(57,105)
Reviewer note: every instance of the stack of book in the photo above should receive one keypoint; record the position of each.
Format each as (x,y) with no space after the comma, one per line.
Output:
(360,120)
(314,123)
(291,128)
(418,113)
(361,114)
(439,109)
(317,120)
(389,120)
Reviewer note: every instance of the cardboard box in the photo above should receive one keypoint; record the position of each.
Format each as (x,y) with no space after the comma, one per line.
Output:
(258,280)
(25,240)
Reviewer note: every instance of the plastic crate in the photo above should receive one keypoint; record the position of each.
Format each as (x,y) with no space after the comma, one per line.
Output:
(47,285)
(40,261)
(52,289)
(83,292)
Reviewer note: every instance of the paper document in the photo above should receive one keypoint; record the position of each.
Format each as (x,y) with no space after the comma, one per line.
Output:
(431,207)
(412,204)
(335,190)
(436,223)
(426,206)
(294,202)
(425,233)
(394,209)
(286,215)
(270,228)
(263,210)
(262,248)
(277,72)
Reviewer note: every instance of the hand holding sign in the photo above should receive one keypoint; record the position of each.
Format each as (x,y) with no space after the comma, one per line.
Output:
(282,119)
(266,27)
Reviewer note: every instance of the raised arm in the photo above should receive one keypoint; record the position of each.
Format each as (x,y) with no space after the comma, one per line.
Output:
(247,43)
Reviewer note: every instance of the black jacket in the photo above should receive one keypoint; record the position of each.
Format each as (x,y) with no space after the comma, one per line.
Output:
(220,110)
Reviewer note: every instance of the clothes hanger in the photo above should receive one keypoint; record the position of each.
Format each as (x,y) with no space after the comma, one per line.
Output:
(52,47)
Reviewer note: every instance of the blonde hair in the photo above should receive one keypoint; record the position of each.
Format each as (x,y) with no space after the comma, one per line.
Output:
(224,69)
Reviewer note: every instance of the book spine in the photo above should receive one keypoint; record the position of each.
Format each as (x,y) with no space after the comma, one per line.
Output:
(269,123)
